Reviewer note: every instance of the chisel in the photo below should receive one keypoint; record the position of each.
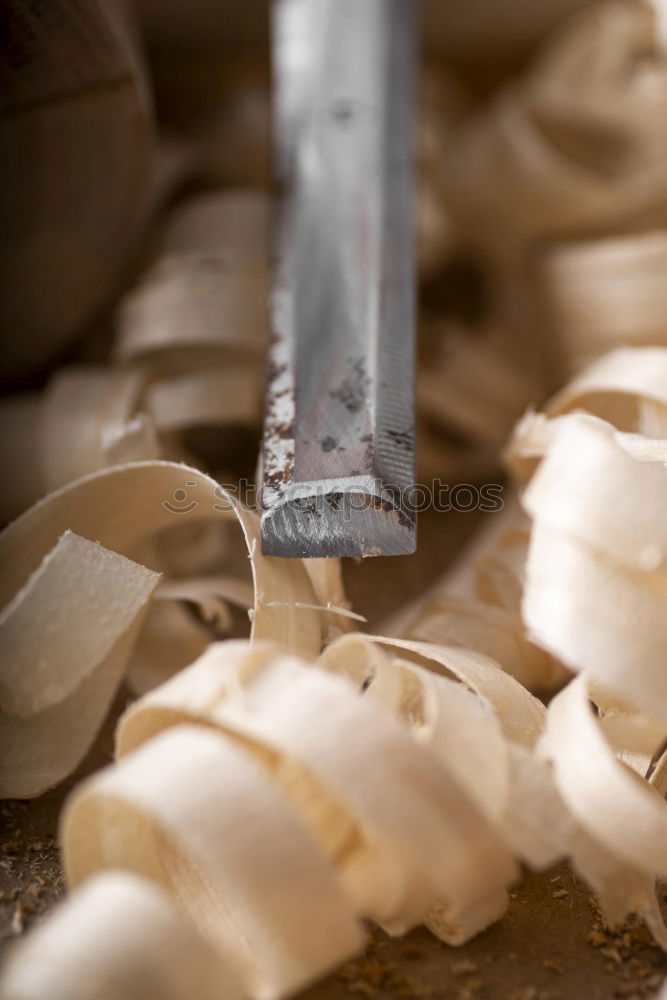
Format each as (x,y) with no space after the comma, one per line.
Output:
(338,447)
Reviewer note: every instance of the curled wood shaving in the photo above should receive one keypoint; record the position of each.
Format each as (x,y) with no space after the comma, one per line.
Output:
(621,846)
(378,777)
(124,505)
(477,606)
(325,608)
(158,813)
(397,779)
(189,352)
(594,592)
(627,816)
(519,713)
(483,728)
(121,933)
(87,419)
(625,388)
(402,790)
(458,726)
(326,576)
(544,812)
(495,632)
(211,595)
(594,598)
(617,388)
(230,308)
(471,33)
(577,144)
(473,384)
(57,675)
(606,293)
(54,701)
(207,286)
(87,414)
(229,395)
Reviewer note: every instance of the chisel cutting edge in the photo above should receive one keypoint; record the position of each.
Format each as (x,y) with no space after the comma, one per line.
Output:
(338,446)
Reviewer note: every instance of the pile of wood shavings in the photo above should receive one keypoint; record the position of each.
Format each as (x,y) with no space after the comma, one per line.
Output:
(274,798)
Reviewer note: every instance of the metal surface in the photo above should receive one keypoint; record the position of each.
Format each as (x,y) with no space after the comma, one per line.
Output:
(338,450)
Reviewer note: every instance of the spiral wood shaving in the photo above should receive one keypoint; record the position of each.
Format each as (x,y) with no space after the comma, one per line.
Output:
(272,793)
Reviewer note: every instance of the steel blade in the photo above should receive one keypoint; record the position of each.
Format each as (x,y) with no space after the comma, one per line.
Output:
(338,447)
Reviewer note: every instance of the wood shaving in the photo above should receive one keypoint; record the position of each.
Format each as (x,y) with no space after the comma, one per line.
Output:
(275,796)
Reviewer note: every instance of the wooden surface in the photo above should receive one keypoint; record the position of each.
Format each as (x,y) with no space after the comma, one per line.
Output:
(551,945)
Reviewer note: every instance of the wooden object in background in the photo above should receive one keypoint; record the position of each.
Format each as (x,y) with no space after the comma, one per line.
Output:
(75,135)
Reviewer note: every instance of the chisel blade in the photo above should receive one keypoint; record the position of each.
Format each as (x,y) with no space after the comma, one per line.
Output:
(338,448)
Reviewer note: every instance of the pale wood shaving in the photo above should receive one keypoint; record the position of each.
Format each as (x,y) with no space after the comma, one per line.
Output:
(269,795)
(395,874)
(54,703)
(122,933)
(577,144)
(57,675)
(157,812)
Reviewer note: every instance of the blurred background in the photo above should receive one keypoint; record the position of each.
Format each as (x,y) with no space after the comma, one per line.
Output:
(135,228)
